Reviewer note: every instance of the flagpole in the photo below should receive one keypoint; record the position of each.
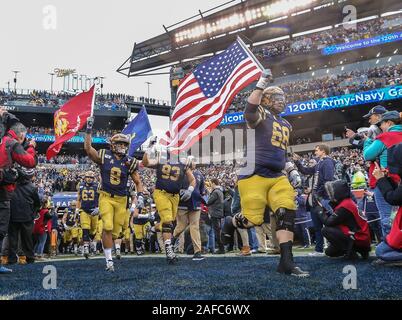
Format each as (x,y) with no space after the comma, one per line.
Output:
(251,55)
(93,101)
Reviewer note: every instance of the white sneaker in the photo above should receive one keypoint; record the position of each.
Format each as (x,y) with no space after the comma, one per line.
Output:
(316,254)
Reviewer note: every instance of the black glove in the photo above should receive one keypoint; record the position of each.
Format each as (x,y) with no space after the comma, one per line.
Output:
(8,176)
(90,124)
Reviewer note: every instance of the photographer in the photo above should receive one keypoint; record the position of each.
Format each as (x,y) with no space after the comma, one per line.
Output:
(347,232)
(356,139)
(14,148)
(389,251)
(391,126)
(24,205)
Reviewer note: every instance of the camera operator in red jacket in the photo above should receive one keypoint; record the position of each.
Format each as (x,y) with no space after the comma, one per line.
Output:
(14,148)
(347,232)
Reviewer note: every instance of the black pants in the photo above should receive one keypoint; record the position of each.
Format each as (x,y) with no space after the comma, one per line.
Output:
(340,244)
(4,218)
(216,225)
(22,230)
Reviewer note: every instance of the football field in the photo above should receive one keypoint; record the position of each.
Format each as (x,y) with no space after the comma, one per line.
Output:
(215,278)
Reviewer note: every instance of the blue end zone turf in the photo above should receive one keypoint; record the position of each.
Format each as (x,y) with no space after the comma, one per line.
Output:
(214,278)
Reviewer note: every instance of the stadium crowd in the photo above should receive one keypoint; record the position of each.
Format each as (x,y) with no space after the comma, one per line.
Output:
(42,98)
(319,40)
(50,131)
(332,85)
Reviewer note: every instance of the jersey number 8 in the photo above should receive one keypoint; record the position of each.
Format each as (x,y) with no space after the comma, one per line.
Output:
(115,176)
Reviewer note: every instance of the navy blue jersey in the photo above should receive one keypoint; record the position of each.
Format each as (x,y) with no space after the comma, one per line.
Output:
(89,196)
(271,141)
(115,173)
(140,221)
(169,177)
(72,217)
(195,201)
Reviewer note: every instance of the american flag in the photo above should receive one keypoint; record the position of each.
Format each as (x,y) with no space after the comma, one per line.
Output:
(204,95)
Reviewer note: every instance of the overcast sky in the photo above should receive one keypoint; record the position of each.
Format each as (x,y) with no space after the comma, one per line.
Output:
(92,36)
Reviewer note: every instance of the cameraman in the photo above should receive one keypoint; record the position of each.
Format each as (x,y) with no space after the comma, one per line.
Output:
(14,148)
(376,150)
(356,139)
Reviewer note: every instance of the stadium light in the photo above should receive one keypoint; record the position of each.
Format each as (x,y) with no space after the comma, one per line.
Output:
(242,19)
(51,74)
(378,54)
(15,79)
(396,51)
(148,84)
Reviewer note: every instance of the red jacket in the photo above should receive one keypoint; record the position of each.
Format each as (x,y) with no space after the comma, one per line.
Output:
(11,151)
(361,236)
(39,227)
(390,139)
(394,238)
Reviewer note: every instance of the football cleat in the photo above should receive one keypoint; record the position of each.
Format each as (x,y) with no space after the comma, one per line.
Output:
(118,253)
(86,252)
(110,266)
(4,270)
(170,255)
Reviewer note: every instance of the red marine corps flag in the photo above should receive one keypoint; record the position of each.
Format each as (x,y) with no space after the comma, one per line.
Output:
(71,118)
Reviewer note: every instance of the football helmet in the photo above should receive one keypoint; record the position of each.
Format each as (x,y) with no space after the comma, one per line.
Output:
(119,144)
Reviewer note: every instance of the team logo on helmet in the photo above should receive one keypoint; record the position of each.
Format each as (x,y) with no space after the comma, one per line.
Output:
(119,144)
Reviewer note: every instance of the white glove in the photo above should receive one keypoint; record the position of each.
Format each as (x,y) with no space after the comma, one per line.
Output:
(132,208)
(185,195)
(143,216)
(95,212)
(265,79)
(65,226)
(140,201)
(373,131)
(152,146)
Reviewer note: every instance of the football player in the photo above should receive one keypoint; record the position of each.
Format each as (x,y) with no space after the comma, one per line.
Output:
(170,175)
(70,223)
(88,204)
(140,221)
(115,167)
(262,182)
